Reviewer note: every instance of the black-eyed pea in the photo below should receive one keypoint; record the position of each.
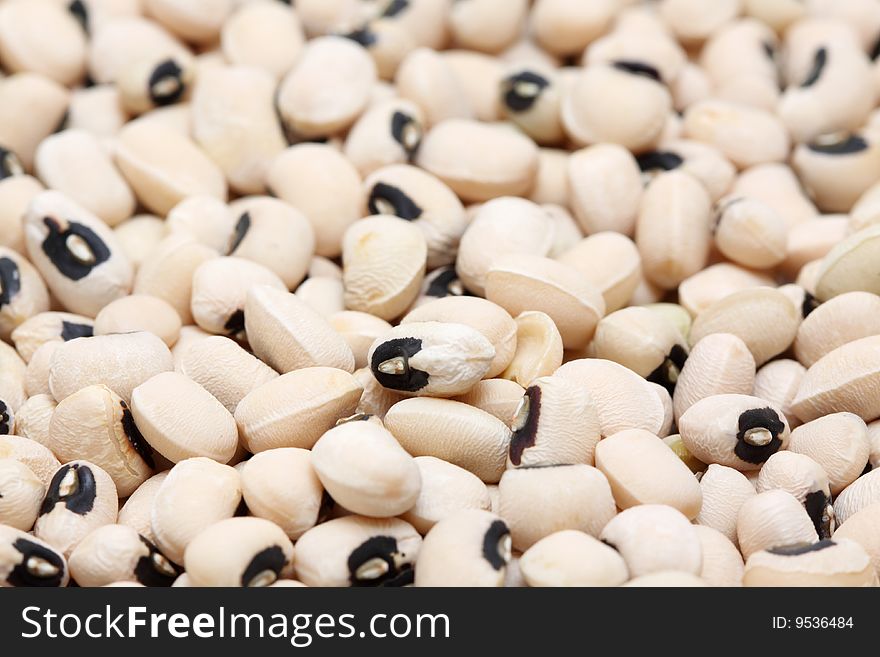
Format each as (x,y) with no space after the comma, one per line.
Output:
(843,380)
(42,37)
(321,266)
(673,229)
(490,319)
(21,494)
(295,409)
(78,255)
(383,265)
(363,468)
(479,161)
(849,265)
(623,399)
(359,330)
(322,17)
(644,342)
(776,185)
(33,107)
(415,195)
(611,262)
(33,417)
(804,478)
(207,219)
(844,318)
(531,97)
(863,528)
(521,282)
(487,25)
(580,494)
(538,348)
(34,455)
(502,226)
(27,561)
(442,359)
(526,51)
(248,552)
(837,169)
(812,239)
(159,76)
(440,283)
(653,538)
(139,236)
(195,494)
(749,232)
(245,33)
(163,167)
(453,431)
(763,318)
(863,492)
(612,207)
(702,161)
(838,442)
(739,431)
(114,553)
(668,413)
(696,293)
(693,22)
(287,334)
(623,457)
(189,335)
(80,498)
(555,424)
(572,558)
(235,124)
(692,85)
(427,79)
(96,424)
(137,510)
(722,562)
(771,519)
(200,23)
(16,193)
(167,272)
(566,230)
(741,47)
(480,77)
(446,489)
(23,293)
(498,397)
(719,363)
(745,135)
(674,314)
(837,562)
(96,110)
(866,210)
(566,27)
(387,42)
(340,69)
(281,485)
(139,312)
(180,419)
(376,399)
(121,362)
(388,133)
(597,98)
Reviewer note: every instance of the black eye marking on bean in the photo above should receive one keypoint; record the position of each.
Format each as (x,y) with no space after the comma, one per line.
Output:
(154,568)
(384,548)
(235,323)
(809,304)
(80,13)
(497,530)
(72,330)
(407,132)
(659,161)
(81,500)
(10,165)
(409,379)
(166,84)
(758,418)
(446,284)
(56,248)
(10,280)
(816,504)
(801,548)
(403,206)
(242,226)
(272,559)
(393,8)
(668,371)
(21,575)
(135,437)
(522,90)
(524,437)
(638,68)
(819,61)
(543,466)
(851,144)
(5,418)
(363,36)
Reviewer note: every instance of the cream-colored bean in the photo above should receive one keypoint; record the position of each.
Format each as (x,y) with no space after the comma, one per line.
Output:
(838,562)
(34,455)
(838,442)
(32,108)
(22,292)
(611,262)
(776,185)
(772,519)
(21,494)
(722,562)
(812,239)
(139,312)
(139,236)
(696,293)
(613,205)
(33,417)
(532,97)
(565,27)
(427,79)
(375,399)
(538,348)
(16,193)
(295,409)
(724,491)
(244,35)
(804,478)
(848,266)
(572,558)
(138,508)
(862,527)
(844,318)
(749,232)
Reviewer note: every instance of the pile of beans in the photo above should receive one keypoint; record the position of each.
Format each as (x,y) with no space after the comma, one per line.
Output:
(472,293)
